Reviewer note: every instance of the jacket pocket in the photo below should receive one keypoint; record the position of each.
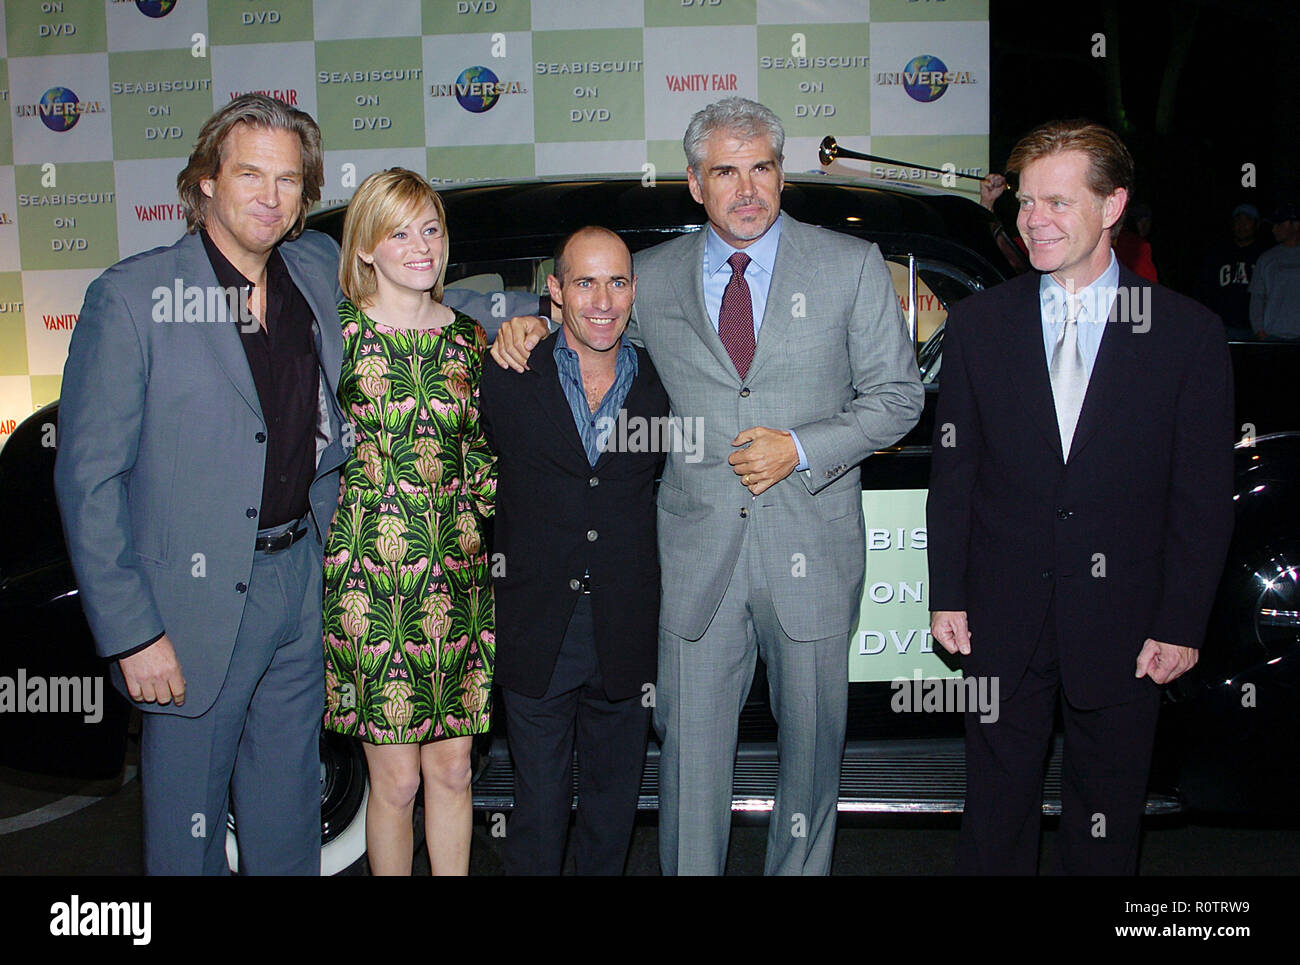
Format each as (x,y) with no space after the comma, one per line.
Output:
(673,500)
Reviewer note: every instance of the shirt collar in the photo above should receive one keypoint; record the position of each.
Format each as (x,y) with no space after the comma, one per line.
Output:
(625,350)
(762,252)
(227,274)
(1094,299)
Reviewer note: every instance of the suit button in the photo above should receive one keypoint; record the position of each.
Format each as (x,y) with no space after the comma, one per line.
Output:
(744,514)
(260,437)
(575,585)
(1063,514)
(591,536)
(251,513)
(1047,574)
(241,587)
(744,393)
(593,481)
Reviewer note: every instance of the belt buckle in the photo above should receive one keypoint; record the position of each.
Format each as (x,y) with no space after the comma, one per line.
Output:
(586,586)
(275,544)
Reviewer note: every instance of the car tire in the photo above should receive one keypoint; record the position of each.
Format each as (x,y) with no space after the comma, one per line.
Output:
(345,790)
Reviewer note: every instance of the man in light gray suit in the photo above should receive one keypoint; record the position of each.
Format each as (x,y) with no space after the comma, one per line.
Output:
(198,454)
(786,342)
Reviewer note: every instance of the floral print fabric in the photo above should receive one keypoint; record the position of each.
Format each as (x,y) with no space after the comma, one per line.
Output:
(409,633)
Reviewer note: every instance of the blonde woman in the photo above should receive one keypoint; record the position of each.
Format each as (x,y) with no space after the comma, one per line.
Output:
(409,637)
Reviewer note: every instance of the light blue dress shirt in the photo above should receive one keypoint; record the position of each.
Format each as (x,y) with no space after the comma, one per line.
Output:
(758,276)
(1094,311)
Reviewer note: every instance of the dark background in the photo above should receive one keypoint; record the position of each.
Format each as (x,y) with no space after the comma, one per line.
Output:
(1196,88)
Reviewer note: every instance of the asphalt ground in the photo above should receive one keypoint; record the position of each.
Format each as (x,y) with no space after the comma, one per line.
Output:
(102,837)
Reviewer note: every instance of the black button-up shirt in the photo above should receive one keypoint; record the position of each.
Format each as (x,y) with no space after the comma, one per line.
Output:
(282,358)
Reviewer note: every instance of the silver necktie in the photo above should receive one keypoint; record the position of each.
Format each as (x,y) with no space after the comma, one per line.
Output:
(1069,377)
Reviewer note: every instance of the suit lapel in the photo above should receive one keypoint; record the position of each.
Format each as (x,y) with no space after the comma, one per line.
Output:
(1111,370)
(221,335)
(1028,362)
(793,271)
(549,395)
(328,335)
(689,286)
(632,406)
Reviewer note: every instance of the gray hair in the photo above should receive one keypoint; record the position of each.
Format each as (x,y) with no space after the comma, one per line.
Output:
(736,115)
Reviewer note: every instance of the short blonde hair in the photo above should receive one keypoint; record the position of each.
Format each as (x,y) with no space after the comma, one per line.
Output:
(384,201)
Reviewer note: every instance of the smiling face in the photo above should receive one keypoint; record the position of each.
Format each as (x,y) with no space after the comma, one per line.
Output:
(410,256)
(596,293)
(739,185)
(257,192)
(1065,226)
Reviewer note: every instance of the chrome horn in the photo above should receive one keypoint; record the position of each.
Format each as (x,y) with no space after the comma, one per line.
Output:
(829,150)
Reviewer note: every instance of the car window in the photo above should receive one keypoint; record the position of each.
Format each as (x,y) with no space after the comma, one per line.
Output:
(513,274)
(938,288)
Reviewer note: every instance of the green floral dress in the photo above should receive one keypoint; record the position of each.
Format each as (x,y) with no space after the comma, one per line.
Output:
(409,633)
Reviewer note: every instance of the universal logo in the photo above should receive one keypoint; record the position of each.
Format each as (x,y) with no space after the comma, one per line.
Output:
(59,109)
(926,78)
(477,89)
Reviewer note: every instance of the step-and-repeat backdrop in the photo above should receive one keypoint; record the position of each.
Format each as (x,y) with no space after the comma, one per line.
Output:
(102,100)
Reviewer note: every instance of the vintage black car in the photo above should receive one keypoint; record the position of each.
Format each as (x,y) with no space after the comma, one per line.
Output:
(1229,730)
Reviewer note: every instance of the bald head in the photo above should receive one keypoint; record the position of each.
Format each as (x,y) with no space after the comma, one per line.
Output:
(595,233)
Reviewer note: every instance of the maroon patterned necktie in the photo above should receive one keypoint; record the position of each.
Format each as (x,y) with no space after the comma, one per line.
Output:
(736,318)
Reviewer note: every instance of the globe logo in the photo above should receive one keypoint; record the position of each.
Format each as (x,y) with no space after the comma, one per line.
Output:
(478,102)
(920,67)
(155,8)
(56,120)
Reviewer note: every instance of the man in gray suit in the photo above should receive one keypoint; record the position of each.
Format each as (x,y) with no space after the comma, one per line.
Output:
(786,342)
(197,472)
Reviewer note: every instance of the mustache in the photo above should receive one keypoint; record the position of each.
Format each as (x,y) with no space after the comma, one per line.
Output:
(746,202)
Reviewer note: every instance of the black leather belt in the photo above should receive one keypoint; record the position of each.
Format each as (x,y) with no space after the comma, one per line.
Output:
(273,544)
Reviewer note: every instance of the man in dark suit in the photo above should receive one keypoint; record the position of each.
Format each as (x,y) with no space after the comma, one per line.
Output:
(1079,512)
(197,473)
(578,602)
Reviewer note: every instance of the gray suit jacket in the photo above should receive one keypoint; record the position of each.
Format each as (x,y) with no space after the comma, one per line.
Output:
(159,455)
(833,363)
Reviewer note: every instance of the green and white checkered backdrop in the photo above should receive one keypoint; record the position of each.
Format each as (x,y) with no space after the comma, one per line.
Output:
(102,100)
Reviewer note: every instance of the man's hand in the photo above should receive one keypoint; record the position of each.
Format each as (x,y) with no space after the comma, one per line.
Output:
(154,674)
(1163,662)
(770,457)
(517,339)
(950,629)
(991,189)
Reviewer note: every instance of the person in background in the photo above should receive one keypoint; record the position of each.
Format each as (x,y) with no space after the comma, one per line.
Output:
(1131,245)
(1275,287)
(408,604)
(1223,283)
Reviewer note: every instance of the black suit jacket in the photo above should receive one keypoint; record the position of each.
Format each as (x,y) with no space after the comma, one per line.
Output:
(1129,536)
(549,501)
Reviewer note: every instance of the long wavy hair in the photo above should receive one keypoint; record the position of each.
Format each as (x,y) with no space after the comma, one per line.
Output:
(260,111)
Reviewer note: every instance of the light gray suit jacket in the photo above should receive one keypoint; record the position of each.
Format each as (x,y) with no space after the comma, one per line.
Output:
(834,364)
(161,451)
